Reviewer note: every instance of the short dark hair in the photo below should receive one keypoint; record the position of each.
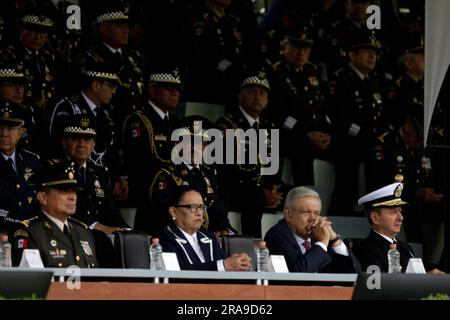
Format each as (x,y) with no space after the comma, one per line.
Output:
(179,192)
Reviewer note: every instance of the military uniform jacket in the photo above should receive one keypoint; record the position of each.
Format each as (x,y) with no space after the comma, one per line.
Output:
(359,103)
(147,147)
(173,240)
(409,98)
(373,251)
(95,202)
(216,58)
(56,249)
(40,73)
(299,94)
(105,152)
(204,179)
(246,173)
(17,196)
(130,70)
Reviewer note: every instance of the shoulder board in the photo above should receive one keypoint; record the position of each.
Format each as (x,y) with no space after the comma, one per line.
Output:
(236,18)
(54,161)
(32,153)
(27,222)
(78,222)
(228,120)
(311,65)
(339,71)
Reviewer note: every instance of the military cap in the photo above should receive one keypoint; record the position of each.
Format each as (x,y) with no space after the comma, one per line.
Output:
(79,125)
(388,196)
(9,73)
(58,175)
(11,114)
(35,19)
(192,126)
(98,70)
(364,40)
(414,44)
(256,78)
(300,38)
(166,76)
(112,15)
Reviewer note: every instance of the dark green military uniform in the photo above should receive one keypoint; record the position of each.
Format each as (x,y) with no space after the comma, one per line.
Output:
(217,58)
(244,182)
(299,107)
(146,139)
(57,249)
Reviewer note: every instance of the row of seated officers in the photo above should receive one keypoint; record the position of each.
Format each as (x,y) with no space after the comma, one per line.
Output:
(306,239)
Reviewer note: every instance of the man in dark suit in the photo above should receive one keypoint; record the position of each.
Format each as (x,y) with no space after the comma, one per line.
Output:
(17,194)
(61,240)
(384,212)
(146,133)
(306,240)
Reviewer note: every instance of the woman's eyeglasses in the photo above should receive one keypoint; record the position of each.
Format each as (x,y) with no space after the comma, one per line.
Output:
(193,207)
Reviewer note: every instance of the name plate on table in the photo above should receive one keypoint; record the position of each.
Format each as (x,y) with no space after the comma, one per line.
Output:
(415,265)
(31,258)
(279,264)
(171,261)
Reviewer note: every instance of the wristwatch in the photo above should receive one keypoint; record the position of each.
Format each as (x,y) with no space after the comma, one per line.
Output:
(332,241)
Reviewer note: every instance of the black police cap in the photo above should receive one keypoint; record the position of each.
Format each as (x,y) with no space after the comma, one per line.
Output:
(80,125)
(57,175)
(12,114)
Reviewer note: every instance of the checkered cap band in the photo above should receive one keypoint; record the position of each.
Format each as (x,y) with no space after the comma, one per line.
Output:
(255,81)
(80,130)
(165,77)
(111,16)
(103,75)
(10,73)
(187,131)
(38,20)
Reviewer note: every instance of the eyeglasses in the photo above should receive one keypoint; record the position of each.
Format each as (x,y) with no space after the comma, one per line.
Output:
(307,212)
(193,207)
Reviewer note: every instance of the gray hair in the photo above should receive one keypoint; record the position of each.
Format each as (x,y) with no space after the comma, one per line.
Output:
(299,192)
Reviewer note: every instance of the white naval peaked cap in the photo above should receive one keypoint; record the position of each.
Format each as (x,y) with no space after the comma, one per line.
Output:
(388,196)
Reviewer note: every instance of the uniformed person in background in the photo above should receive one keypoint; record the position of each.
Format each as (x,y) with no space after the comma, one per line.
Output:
(17,194)
(35,60)
(146,133)
(12,89)
(61,240)
(95,204)
(249,191)
(333,48)
(192,172)
(299,108)
(217,55)
(111,49)
(409,86)
(98,83)
(359,103)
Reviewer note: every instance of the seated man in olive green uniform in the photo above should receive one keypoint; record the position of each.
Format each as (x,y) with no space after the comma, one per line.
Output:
(61,240)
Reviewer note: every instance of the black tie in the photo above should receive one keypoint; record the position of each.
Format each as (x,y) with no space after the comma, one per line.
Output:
(66,231)
(256,125)
(11,164)
(196,172)
(166,121)
(81,175)
(38,62)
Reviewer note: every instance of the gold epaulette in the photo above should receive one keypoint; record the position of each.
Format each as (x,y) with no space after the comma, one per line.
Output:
(78,222)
